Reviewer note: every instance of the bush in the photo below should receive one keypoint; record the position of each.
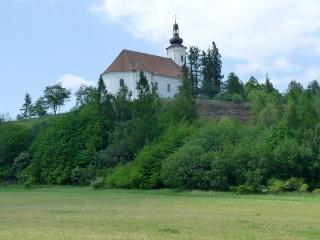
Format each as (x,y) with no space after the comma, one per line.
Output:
(316,191)
(254,180)
(304,188)
(237,98)
(294,184)
(276,186)
(98,183)
(186,169)
(244,189)
(145,170)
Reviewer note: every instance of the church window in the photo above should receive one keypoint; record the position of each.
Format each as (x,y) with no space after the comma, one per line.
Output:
(168,88)
(182,59)
(121,82)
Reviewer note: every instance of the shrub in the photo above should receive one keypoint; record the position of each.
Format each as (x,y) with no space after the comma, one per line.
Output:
(145,170)
(187,170)
(244,189)
(254,180)
(294,184)
(276,186)
(316,191)
(237,98)
(98,183)
(304,188)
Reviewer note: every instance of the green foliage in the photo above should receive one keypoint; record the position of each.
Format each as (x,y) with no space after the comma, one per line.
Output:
(14,139)
(56,96)
(304,188)
(233,84)
(144,171)
(194,65)
(68,141)
(276,186)
(186,169)
(211,70)
(295,184)
(237,98)
(98,183)
(40,107)
(26,110)
(21,162)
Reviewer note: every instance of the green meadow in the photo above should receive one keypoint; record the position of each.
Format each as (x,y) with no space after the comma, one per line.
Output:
(83,213)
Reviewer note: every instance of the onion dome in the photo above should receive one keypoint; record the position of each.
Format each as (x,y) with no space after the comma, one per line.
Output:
(176,39)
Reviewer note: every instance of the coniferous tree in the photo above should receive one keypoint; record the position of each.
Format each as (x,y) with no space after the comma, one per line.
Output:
(233,84)
(194,66)
(268,85)
(40,107)
(211,70)
(143,87)
(26,110)
(102,90)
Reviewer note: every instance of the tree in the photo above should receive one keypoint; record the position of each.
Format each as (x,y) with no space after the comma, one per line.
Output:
(194,65)
(251,84)
(4,117)
(56,96)
(211,70)
(121,104)
(313,87)
(85,94)
(26,110)
(233,84)
(40,107)
(143,87)
(268,87)
(102,90)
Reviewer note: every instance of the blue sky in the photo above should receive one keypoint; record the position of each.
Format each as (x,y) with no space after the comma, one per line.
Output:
(43,42)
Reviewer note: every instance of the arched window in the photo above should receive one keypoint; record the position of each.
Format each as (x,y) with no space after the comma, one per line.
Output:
(121,82)
(168,88)
(182,59)
(156,85)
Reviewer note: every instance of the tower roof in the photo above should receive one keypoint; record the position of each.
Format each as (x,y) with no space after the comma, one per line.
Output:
(176,38)
(131,61)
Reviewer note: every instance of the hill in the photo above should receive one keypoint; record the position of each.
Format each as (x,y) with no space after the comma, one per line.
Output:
(209,109)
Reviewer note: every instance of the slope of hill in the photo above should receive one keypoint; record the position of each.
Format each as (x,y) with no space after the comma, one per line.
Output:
(209,109)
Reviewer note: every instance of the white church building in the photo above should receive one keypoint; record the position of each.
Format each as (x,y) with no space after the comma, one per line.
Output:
(163,72)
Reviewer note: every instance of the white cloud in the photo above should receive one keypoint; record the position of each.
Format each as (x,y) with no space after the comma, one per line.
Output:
(259,34)
(73,82)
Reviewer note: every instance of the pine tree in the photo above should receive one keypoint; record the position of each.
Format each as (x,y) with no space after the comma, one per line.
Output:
(233,84)
(194,65)
(268,85)
(26,110)
(143,86)
(40,107)
(102,90)
(211,70)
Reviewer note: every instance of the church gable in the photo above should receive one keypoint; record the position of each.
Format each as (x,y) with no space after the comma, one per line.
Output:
(132,61)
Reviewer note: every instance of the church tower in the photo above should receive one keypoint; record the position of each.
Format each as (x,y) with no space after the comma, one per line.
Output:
(176,51)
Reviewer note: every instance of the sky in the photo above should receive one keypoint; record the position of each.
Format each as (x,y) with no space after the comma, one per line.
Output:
(43,42)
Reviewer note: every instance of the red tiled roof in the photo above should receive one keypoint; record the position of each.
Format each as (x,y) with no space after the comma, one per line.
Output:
(130,61)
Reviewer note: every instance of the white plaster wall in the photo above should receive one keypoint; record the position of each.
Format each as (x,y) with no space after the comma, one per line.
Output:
(175,53)
(112,81)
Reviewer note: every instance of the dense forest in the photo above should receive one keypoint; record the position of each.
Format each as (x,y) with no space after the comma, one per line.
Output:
(150,142)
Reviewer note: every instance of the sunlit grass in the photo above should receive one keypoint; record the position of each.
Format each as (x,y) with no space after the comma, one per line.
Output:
(82,213)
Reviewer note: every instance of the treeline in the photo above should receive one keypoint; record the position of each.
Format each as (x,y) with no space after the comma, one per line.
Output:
(102,132)
(150,142)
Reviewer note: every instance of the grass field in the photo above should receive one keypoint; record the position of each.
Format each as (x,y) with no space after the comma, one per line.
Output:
(82,213)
